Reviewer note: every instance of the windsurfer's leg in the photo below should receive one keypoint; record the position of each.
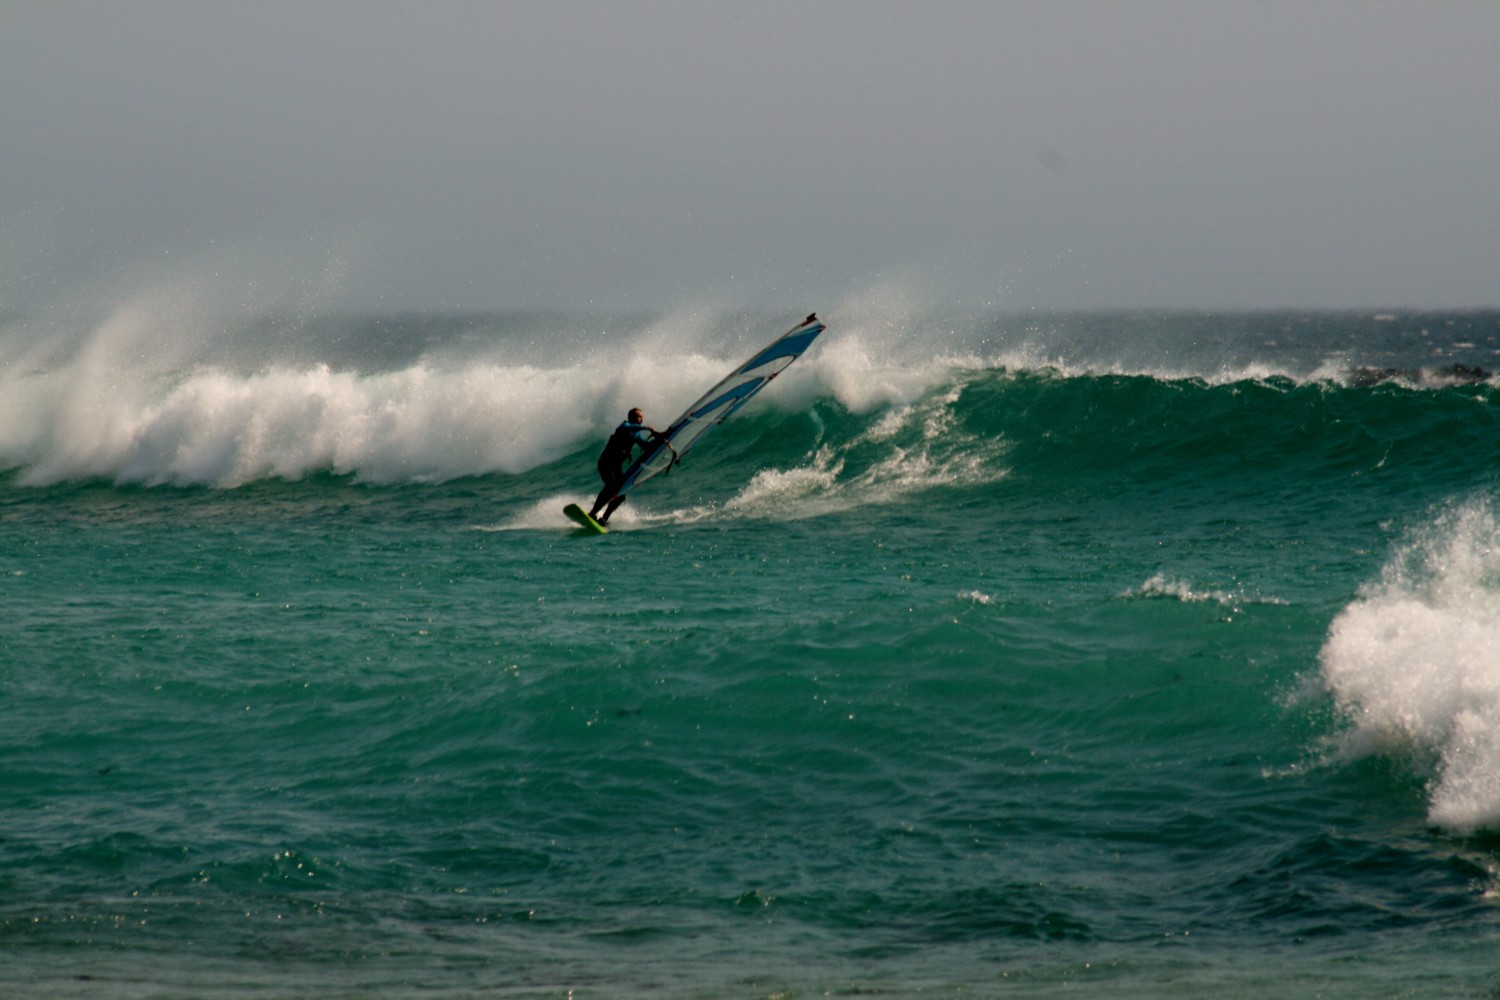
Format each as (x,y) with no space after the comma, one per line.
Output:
(605,496)
(611,477)
(611,509)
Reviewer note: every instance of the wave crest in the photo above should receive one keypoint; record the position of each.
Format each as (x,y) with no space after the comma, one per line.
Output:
(178,390)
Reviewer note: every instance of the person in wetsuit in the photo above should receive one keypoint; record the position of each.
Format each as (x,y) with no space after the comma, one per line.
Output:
(616,457)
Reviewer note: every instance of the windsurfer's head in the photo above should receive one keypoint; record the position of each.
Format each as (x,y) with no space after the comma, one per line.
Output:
(636,416)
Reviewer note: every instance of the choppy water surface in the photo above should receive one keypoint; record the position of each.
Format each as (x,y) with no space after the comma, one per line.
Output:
(979,655)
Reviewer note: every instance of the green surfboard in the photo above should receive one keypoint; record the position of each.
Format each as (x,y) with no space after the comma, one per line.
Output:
(577,513)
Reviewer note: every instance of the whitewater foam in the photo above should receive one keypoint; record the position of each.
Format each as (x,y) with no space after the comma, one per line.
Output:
(217,428)
(159,392)
(189,383)
(1159,585)
(920,449)
(1414,664)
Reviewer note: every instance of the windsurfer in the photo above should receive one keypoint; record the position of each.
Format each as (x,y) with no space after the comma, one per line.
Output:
(616,456)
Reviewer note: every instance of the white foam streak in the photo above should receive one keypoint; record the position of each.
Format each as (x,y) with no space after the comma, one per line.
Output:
(1162,586)
(941,457)
(1414,664)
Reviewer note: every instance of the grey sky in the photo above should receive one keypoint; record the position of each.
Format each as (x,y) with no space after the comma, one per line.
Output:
(496,155)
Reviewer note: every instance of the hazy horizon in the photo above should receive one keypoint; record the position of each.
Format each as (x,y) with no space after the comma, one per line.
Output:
(458,157)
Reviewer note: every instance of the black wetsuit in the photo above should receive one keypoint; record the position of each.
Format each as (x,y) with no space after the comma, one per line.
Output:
(612,463)
(617,451)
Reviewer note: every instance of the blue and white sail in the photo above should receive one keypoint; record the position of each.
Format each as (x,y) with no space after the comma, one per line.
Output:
(719,403)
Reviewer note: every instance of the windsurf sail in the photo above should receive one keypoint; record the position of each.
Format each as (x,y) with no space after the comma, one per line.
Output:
(719,403)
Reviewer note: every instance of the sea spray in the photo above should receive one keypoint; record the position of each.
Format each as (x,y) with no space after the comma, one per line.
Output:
(1414,664)
(217,428)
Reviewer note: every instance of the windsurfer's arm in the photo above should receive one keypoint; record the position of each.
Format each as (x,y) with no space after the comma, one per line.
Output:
(662,441)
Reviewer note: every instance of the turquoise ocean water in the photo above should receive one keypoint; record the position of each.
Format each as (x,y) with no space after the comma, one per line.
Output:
(982,655)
